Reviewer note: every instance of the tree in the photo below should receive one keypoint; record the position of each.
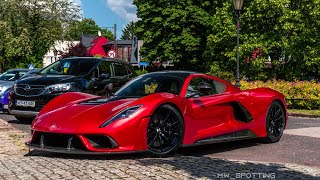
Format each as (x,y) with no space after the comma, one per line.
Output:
(201,35)
(175,30)
(260,30)
(29,27)
(302,39)
(129,31)
(84,27)
(77,50)
(285,31)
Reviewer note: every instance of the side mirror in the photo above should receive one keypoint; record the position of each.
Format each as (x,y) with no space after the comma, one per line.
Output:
(204,87)
(104,76)
(108,88)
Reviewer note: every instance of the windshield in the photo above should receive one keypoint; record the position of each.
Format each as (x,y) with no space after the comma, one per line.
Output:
(75,67)
(145,85)
(31,72)
(12,75)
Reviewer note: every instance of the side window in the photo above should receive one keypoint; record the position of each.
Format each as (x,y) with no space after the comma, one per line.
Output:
(21,74)
(58,69)
(199,87)
(120,70)
(220,87)
(105,67)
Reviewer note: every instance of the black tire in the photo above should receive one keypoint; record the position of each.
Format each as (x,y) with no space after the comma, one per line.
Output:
(165,131)
(275,122)
(24,119)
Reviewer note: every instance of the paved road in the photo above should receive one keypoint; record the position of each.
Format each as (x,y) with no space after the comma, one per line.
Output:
(299,145)
(15,123)
(16,163)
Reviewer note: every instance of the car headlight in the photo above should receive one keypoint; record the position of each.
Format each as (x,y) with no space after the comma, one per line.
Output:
(122,115)
(2,88)
(58,88)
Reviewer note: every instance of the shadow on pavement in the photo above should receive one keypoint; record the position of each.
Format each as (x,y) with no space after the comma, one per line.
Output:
(206,167)
(217,148)
(189,167)
(14,121)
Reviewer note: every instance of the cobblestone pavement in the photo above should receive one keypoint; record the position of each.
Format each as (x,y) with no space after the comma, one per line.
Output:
(17,163)
(12,140)
(115,167)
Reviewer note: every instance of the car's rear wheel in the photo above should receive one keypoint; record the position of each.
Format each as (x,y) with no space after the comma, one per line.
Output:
(24,119)
(165,131)
(275,122)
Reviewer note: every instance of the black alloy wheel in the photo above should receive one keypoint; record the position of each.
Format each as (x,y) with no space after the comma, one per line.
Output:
(275,122)
(165,131)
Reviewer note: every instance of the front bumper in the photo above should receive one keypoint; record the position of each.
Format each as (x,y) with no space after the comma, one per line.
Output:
(76,144)
(118,137)
(27,114)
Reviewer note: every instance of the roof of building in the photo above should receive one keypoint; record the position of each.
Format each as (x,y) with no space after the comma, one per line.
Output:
(86,40)
(120,42)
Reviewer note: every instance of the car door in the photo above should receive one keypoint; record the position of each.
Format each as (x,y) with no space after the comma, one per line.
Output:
(211,109)
(104,68)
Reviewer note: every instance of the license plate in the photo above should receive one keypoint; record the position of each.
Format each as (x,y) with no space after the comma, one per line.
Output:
(26,103)
(5,106)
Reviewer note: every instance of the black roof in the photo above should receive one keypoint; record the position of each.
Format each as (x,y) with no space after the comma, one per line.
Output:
(19,69)
(120,42)
(178,74)
(87,39)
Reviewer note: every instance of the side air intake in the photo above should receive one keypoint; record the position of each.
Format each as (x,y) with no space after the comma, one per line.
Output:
(241,113)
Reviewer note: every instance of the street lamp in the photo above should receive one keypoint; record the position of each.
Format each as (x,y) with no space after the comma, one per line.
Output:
(238,8)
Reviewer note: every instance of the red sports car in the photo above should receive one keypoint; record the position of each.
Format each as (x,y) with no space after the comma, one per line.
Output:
(158,113)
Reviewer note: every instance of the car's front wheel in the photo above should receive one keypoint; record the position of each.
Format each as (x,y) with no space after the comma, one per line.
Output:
(165,131)
(275,122)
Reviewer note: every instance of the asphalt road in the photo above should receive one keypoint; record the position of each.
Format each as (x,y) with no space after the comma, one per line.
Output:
(299,145)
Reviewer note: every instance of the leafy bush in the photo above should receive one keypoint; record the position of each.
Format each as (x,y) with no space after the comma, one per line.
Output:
(77,50)
(298,94)
(228,76)
(216,71)
(140,72)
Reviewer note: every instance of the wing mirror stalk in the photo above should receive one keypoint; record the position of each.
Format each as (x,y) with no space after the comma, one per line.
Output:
(108,88)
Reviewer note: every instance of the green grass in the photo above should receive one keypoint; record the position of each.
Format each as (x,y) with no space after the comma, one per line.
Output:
(305,112)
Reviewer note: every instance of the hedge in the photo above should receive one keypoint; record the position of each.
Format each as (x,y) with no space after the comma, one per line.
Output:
(299,94)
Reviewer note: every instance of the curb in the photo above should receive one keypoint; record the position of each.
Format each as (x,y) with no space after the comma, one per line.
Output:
(303,115)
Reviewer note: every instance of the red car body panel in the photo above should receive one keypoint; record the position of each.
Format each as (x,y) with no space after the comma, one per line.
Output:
(204,117)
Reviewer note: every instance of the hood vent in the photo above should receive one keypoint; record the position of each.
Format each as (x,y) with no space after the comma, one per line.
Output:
(104,100)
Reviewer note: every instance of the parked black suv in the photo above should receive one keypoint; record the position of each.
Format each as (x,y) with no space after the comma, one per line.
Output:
(90,75)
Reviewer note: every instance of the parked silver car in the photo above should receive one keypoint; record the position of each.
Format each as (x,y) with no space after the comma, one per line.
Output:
(7,80)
